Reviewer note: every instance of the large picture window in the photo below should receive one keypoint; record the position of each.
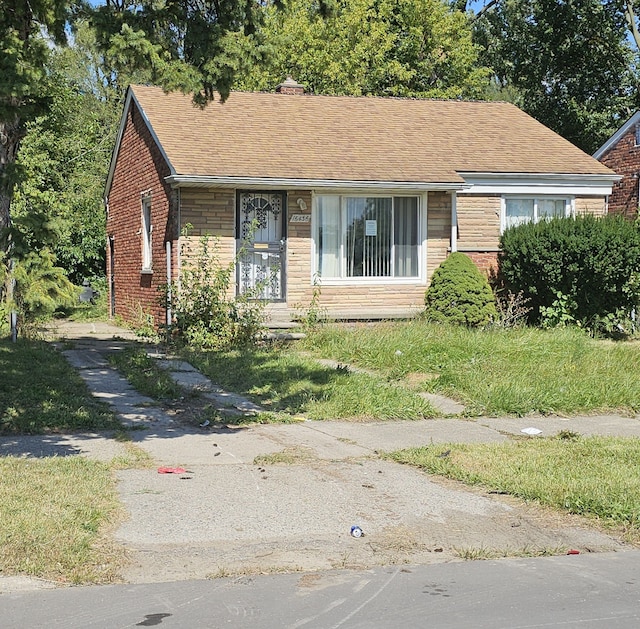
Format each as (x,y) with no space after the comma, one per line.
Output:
(525,210)
(360,236)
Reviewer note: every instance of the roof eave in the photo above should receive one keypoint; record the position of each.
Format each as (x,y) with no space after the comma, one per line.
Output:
(281,183)
(573,177)
(595,184)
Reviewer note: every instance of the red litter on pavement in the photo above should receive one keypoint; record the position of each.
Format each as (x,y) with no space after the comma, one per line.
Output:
(171,470)
(573,552)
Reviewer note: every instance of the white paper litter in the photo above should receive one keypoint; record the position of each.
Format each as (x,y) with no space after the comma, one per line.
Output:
(531,431)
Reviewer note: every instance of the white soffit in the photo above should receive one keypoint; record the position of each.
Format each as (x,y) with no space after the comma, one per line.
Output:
(540,184)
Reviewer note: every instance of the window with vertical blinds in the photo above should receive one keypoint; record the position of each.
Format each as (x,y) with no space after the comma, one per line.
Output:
(374,237)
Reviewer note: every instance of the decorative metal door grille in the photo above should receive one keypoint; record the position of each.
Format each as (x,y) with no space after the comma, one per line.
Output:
(261,241)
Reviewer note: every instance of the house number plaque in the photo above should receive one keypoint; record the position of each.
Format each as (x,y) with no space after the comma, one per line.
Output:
(300,218)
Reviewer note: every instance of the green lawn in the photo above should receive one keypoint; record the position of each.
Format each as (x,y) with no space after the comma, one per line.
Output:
(56,513)
(597,477)
(494,372)
(40,392)
(283,381)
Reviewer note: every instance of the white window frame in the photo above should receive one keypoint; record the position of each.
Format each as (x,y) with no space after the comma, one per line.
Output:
(146,232)
(382,280)
(569,208)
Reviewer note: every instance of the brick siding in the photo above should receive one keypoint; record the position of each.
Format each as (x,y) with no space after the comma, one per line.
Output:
(139,169)
(624,159)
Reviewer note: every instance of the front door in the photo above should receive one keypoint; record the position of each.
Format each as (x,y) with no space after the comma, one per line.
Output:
(261,221)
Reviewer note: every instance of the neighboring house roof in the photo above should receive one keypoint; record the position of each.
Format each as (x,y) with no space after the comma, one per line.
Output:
(308,138)
(620,133)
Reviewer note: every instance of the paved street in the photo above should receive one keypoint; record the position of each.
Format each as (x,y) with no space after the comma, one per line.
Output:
(571,592)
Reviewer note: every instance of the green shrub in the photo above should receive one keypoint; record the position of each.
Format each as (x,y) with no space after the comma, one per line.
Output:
(39,288)
(582,270)
(460,294)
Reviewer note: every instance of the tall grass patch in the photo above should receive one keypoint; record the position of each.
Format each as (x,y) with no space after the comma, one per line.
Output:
(592,476)
(144,374)
(495,371)
(55,513)
(40,392)
(283,381)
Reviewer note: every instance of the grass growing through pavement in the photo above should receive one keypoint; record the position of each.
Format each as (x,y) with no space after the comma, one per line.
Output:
(41,392)
(144,374)
(281,380)
(592,476)
(55,514)
(494,372)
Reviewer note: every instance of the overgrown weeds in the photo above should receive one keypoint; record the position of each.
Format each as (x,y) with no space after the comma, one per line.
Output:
(205,315)
(144,373)
(282,381)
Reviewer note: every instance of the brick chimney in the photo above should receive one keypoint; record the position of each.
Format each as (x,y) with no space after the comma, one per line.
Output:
(290,87)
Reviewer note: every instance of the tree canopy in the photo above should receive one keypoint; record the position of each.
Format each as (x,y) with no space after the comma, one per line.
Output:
(568,63)
(418,48)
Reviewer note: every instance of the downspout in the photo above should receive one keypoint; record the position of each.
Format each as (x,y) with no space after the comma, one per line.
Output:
(454,222)
(169,314)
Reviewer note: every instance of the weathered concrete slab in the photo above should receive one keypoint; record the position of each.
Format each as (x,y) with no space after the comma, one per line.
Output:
(613,425)
(389,436)
(90,445)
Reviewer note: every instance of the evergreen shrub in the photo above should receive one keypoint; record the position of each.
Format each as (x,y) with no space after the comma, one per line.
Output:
(460,294)
(583,270)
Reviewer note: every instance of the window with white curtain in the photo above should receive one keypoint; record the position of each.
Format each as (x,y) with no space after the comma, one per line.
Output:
(525,210)
(360,236)
(146,234)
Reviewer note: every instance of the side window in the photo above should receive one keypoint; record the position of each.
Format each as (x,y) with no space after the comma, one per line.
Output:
(637,130)
(525,210)
(146,233)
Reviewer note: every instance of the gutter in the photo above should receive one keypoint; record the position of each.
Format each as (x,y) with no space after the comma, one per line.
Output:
(280,183)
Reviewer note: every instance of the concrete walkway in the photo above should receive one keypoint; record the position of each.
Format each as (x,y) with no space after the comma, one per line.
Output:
(265,498)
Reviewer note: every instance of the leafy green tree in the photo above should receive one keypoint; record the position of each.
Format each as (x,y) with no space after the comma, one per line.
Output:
(418,48)
(64,160)
(24,82)
(194,47)
(180,44)
(567,63)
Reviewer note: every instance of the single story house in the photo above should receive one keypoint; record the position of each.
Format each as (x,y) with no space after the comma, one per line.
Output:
(621,153)
(360,198)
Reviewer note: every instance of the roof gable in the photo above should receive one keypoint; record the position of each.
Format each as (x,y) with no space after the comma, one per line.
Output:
(355,139)
(618,135)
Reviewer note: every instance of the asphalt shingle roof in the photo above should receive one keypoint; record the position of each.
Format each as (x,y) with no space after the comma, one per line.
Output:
(354,139)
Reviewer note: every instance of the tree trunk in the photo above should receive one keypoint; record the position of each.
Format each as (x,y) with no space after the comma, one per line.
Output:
(11,134)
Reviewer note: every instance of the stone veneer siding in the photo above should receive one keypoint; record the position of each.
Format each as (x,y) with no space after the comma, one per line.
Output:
(479,228)
(213,212)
